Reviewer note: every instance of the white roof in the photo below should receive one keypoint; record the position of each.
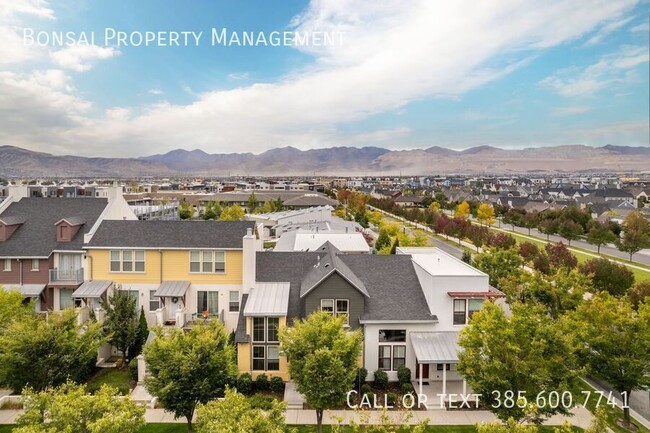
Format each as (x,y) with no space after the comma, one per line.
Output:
(309,241)
(435,347)
(437,262)
(268,299)
(274,216)
(28,290)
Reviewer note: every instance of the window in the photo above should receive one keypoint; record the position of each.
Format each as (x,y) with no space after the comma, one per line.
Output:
(327,305)
(273,323)
(342,307)
(63,232)
(258,329)
(135,294)
(258,357)
(65,298)
(35,264)
(399,357)
(7,265)
(207,303)
(234,302)
(459,311)
(127,261)
(272,358)
(207,262)
(474,305)
(392,335)
(154,301)
(384,357)
(439,367)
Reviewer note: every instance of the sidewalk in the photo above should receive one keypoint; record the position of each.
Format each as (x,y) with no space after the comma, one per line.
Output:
(582,417)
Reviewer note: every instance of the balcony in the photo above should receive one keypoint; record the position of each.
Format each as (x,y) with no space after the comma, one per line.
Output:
(66,276)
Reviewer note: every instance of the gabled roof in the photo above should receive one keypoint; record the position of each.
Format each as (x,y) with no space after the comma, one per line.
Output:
(326,266)
(36,237)
(170,234)
(11,220)
(72,221)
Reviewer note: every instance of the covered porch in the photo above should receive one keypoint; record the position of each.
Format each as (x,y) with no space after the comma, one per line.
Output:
(436,356)
(91,294)
(172,303)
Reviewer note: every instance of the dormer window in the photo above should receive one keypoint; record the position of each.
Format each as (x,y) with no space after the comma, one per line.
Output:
(64,233)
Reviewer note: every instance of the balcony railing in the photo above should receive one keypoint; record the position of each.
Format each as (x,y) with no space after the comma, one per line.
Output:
(65,276)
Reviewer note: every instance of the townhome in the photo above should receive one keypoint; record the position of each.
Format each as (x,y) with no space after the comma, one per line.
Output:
(181,272)
(409,306)
(41,243)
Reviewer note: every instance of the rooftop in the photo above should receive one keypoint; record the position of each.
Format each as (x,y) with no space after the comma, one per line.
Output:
(438,263)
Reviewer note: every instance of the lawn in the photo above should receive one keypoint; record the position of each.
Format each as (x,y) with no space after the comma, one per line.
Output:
(117,378)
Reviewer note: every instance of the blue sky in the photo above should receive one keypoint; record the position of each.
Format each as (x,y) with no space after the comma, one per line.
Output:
(408,74)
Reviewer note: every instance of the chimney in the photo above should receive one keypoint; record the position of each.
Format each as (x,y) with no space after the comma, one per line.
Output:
(250,247)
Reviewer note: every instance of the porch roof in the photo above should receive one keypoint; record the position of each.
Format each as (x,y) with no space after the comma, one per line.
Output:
(92,289)
(268,299)
(172,289)
(435,347)
(31,290)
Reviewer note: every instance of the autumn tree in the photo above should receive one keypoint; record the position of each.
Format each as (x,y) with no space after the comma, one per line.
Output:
(462,210)
(485,214)
(560,256)
(608,276)
(322,358)
(232,213)
(635,235)
(599,234)
(639,293)
(498,264)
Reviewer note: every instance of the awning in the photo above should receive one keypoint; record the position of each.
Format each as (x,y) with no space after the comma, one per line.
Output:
(31,290)
(92,289)
(435,347)
(173,289)
(268,299)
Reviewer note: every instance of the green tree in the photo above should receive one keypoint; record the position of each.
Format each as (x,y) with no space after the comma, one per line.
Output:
(570,230)
(526,352)
(383,239)
(185,209)
(599,234)
(41,354)
(635,235)
(548,227)
(639,293)
(498,264)
(393,248)
(189,367)
(613,340)
(71,409)
(253,203)
(12,308)
(234,414)
(212,211)
(142,333)
(322,358)
(121,322)
(608,276)
(232,213)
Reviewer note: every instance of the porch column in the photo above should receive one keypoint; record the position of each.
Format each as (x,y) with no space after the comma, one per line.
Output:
(464,387)
(420,367)
(444,380)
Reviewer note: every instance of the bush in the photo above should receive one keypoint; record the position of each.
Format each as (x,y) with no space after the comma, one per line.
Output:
(261,401)
(133,370)
(365,388)
(406,388)
(369,395)
(467,257)
(404,374)
(262,382)
(362,374)
(245,383)
(277,384)
(381,379)
(391,398)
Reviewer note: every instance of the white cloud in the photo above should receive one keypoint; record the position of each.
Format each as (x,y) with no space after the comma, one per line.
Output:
(12,14)
(81,58)
(607,29)
(643,27)
(239,76)
(610,69)
(156,92)
(394,53)
(569,111)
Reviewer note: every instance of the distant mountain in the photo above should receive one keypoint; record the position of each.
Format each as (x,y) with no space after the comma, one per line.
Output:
(341,161)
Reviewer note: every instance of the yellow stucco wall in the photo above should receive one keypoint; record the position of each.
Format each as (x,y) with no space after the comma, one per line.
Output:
(244,356)
(176,267)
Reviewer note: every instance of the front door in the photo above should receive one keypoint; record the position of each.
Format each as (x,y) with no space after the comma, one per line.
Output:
(173,308)
(425,371)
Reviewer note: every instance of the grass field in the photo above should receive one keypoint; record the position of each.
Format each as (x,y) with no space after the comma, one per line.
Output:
(117,378)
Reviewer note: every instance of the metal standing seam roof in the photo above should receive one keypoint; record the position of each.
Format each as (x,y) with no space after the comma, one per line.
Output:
(28,290)
(92,289)
(435,347)
(172,289)
(268,299)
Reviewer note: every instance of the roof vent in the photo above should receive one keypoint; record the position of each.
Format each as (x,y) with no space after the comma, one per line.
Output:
(327,265)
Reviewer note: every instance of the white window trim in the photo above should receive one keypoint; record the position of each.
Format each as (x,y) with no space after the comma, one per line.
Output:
(38,265)
(214,262)
(392,353)
(121,262)
(453,311)
(6,266)
(197,302)
(230,292)
(155,299)
(335,311)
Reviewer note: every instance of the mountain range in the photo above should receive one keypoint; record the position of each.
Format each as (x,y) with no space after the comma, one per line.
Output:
(285,161)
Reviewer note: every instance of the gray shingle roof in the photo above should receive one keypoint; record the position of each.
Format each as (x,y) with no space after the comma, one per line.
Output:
(11,220)
(36,237)
(329,263)
(391,282)
(171,234)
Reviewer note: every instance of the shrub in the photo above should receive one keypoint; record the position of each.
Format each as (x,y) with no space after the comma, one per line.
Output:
(245,383)
(277,384)
(407,387)
(381,379)
(133,370)
(365,388)
(391,398)
(262,382)
(261,401)
(362,374)
(404,374)
(369,395)
(467,257)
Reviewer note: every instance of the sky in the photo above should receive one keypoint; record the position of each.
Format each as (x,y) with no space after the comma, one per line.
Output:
(401,75)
